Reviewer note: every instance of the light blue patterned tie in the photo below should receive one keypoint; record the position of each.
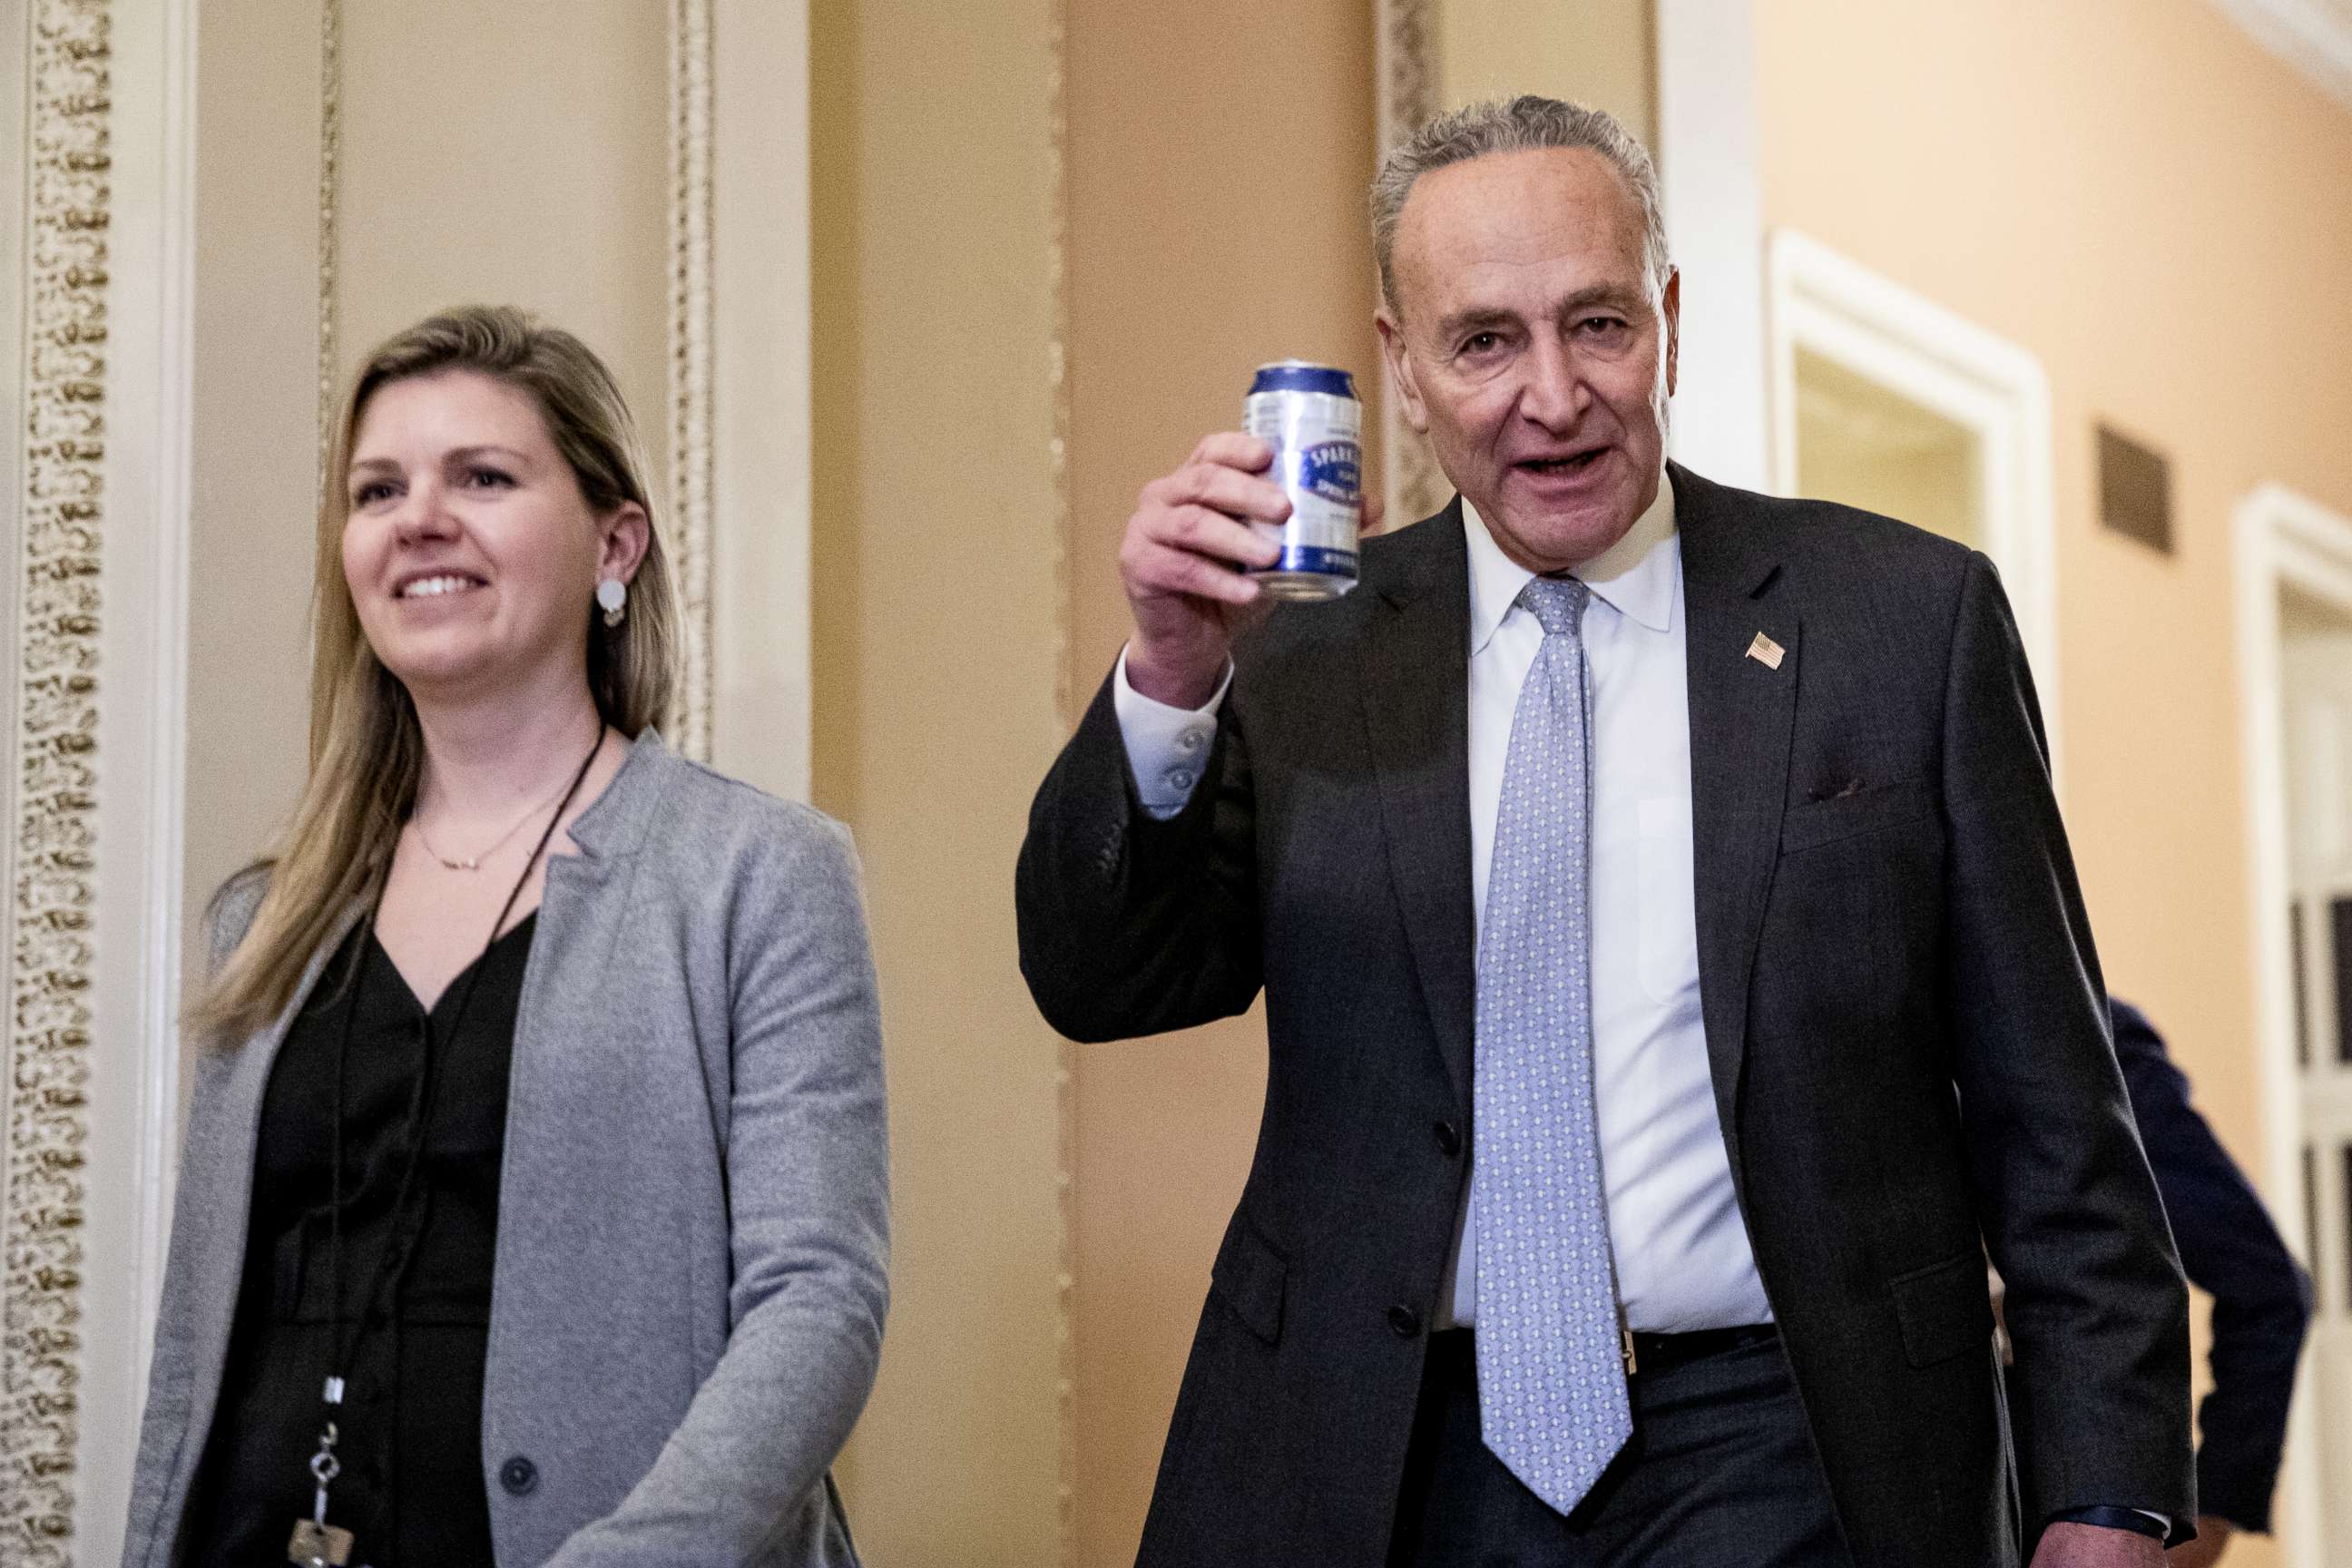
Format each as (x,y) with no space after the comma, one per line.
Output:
(1553,1400)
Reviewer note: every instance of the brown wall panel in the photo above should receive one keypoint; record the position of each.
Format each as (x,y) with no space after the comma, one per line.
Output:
(1218,156)
(255,416)
(937,639)
(543,181)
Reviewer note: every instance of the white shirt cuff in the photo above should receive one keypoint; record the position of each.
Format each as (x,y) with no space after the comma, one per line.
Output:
(1167,748)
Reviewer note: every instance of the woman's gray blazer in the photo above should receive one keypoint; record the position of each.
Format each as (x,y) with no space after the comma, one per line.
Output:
(688,1294)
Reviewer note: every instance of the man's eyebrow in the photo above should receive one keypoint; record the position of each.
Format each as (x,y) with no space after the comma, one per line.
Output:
(1624,295)
(1481,318)
(1477,318)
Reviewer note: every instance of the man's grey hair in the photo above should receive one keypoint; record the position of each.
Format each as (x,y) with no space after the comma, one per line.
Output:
(1516,125)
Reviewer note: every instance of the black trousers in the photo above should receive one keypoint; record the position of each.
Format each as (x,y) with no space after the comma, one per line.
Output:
(1720,1473)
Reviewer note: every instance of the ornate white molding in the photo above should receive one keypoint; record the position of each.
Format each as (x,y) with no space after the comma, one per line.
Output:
(1410,93)
(691,461)
(330,155)
(54,881)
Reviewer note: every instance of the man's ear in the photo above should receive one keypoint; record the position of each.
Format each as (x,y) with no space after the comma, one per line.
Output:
(1671,304)
(1393,348)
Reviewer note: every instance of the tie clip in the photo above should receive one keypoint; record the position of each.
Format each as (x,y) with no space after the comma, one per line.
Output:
(1766,652)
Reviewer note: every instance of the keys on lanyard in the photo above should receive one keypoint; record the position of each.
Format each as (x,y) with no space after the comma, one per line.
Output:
(316,1543)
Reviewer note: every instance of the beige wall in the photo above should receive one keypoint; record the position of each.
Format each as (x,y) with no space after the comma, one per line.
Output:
(1598,52)
(542,182)
(256,375)
(1218,157)
(939,605)
(2161,212)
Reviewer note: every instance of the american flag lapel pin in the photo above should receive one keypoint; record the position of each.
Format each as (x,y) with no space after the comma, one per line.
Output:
(1766,652)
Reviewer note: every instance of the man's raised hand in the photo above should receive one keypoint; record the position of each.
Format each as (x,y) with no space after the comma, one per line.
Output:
(1185,563)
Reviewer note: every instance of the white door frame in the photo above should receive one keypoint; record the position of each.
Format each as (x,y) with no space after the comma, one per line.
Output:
(2283,539)
(755,125)
(1825,303)
(1710,169)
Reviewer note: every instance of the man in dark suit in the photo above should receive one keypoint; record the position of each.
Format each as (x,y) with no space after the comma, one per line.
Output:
(2262,1297)
(1676,977)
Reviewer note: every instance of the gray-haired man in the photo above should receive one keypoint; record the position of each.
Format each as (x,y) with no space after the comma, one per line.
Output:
(1676,977)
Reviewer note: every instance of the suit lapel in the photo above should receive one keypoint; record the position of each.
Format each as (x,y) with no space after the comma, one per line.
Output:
(1742,712)
(1417,703)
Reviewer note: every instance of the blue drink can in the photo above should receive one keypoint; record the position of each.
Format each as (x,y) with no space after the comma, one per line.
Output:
(1308,413)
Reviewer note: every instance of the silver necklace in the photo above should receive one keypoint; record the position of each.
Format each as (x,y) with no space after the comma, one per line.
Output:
(474,863)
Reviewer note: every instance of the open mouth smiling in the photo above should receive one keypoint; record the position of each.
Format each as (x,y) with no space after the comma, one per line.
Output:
(440,585)
(1574,462)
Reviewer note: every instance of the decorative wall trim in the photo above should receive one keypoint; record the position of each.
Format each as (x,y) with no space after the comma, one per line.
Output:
(690,346)
(1411,92)
(331,160)
(54,883)
(1065,1055)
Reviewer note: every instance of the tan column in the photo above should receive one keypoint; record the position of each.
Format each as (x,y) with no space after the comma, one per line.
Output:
(1218,159)
(255,435)
(939,625)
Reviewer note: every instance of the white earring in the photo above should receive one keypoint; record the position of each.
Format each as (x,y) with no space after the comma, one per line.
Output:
(613,595)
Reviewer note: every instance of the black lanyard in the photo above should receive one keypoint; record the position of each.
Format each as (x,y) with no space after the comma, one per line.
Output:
(392,1263)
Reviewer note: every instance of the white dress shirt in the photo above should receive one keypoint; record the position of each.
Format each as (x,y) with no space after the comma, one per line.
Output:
(1683,1258)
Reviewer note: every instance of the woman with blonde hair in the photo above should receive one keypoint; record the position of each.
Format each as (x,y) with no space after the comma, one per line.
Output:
(534,1202)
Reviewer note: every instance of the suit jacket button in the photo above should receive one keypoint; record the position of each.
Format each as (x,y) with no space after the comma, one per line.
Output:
(519,1476)
(1405,1320)
(1449,1141)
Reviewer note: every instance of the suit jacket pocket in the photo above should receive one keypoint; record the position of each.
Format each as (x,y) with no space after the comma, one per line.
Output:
(1945,1310)
(1819,822)
(1249,1276)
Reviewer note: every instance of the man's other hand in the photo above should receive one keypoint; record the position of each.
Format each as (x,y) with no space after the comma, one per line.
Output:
(1185,562)
(2214,1534)
(2067,1544)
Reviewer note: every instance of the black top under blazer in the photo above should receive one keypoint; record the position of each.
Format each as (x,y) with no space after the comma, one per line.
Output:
(1905,1018)
(412,1332)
